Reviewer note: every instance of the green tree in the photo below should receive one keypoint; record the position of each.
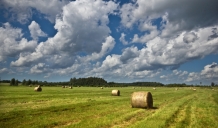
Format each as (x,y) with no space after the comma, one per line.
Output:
(36,82)
(33,82)
(29,82)
(16,82)
(212,84)
(71,81)
(12,82)
(24,82)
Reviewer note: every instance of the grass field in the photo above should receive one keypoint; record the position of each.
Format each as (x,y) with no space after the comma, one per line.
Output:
(92,107)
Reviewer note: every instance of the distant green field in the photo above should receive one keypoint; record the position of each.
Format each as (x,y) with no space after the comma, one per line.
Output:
(92,107)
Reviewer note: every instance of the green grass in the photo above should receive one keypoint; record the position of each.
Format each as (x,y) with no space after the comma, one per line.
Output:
(92,107)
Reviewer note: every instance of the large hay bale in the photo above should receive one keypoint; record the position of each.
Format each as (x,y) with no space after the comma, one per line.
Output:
(38,89)
(141,100)
(115,92)
(70,87)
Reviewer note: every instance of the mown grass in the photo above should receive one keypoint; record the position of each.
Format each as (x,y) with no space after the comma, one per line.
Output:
(92,107)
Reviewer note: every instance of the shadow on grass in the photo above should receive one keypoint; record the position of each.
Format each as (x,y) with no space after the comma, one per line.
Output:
(154,108)
(147,108)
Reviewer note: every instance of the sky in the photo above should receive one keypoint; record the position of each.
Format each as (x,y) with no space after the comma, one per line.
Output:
(167,41)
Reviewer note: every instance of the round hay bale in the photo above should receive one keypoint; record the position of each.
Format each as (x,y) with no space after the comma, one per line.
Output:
(115,92)
(141,100)
(101,87)
(38,89)
(70,87)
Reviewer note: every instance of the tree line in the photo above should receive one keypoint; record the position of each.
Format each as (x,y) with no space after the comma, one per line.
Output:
(185,85)
(14,82)
(90,81)
(95,81)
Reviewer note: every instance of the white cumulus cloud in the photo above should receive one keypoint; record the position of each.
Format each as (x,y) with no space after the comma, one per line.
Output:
(35,30)
(22,10)
(12,42)
(122,39)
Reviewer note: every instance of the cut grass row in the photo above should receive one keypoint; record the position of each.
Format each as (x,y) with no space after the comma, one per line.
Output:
(96,108)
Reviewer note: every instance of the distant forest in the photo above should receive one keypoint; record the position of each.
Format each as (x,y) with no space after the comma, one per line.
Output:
(96,82)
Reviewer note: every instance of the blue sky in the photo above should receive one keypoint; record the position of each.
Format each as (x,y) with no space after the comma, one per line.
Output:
(121,40)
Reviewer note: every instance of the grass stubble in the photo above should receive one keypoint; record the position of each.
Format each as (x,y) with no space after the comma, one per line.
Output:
(21,107)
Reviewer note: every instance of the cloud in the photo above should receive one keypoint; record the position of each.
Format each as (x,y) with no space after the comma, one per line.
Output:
(12,42)
(150,32)
(209,73)
(190,37)
(159,53)
(129,53)
(107,46)
(127,18)
(39,68)
(146,37)
(5,71)
(35,30)
(171,33)
(22,10)
(193,77)
(122,39)
(163,77)
(82,29)
(180,15)
(83,24)
(110,62)
(214,35)
(27,59)
(179,75)
(163,52)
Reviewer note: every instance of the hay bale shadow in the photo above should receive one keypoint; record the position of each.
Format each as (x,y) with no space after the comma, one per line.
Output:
(152,108)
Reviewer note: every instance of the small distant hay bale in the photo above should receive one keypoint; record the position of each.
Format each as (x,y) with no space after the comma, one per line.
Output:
(38,89)
(141,100)
(101,87)
(30,85)
(70,87)
(115,93)
(194,89)
(176,89)
(154,88)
